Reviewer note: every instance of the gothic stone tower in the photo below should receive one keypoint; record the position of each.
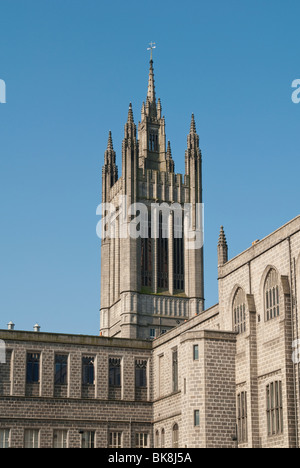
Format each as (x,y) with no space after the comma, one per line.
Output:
(150,284)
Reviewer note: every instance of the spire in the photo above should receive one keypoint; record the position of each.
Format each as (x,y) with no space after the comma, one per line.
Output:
(151,99)
(151,86)
(222,248)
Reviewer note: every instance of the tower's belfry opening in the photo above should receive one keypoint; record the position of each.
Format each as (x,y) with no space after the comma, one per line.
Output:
(152,281)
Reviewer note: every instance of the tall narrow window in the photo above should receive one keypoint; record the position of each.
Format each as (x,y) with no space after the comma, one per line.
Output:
(115,440)
(196,418)
(33,367)
(196,352)
(274,408)
(162,438)
(272,295)
(239,311)
(141,440)
(115,372)
(175,436)
(31,438)
(88,439)
(60,439)
(61,369)
(161,375)
(175,371)
(178,254)
(153,141)
(157,439)
(4,438)
(88,370)
(140,373)
(146,256)
(242,417)
(163,254)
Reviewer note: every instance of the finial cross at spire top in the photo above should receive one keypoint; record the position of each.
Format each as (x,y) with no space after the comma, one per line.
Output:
(152,46)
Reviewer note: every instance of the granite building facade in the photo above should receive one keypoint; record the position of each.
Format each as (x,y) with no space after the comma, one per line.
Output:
(164,372)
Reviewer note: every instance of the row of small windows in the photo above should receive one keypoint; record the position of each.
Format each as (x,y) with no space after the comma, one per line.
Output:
(160,437)
(88,370)
(271,302)
(61,439)
(274,410)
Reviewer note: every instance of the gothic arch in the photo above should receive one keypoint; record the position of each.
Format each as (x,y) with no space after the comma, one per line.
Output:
(264,278)
(278,292)
(234,291)
(239,312)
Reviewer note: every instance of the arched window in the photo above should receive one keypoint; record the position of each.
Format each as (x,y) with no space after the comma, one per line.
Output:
(175,435)
(162,444)
(272,295)
(239,311)
(157,439)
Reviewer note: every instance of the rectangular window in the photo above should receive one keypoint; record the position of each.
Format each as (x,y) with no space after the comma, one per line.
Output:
(141,440)
(160,375)
(4,438)
(88,439)
(242,417)
(196,418)
(31,438)
(60,439)
(274,408)
(115,440)
(114,372)
(175,371)
(196,352)
(140,373)
(152,333)
(33,367)
(88,370)
(61,369)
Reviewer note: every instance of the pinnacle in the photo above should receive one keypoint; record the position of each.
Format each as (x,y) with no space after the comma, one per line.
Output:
(130,114)
(222,237)
(110,142)
(193,125)
(169,152)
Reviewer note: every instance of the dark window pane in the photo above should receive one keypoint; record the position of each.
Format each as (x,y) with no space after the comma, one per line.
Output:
(33,367)
(61,369)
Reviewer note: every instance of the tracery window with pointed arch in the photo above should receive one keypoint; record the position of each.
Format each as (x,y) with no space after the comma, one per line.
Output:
(272,309)
(239,311)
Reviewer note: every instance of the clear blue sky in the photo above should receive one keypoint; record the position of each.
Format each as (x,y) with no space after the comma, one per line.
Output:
(71,68)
